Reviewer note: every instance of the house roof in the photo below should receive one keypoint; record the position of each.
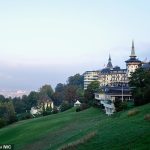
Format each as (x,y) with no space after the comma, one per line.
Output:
(77,102)
(133,59)
(117,90)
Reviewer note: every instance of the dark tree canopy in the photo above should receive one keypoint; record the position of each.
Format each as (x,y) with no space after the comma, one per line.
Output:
(46,90)
(59,87)
(76,80)
(92,88)
(140,85)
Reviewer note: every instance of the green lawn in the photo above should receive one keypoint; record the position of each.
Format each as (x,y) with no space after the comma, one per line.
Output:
(51,132)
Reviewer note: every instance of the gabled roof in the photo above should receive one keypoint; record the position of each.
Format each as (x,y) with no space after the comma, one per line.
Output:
(132,60)
(77,102)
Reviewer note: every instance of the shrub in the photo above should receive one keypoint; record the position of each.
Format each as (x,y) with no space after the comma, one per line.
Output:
(24,116)
(83,106)
(124,105)
(83,140)
(55,110)
(147,117)
(2,122)
(12,119)
(45,113)
(65,106)
(117,104)
(133,112)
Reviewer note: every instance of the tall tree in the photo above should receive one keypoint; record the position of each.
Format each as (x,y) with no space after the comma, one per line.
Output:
(89,92)
(59,87)
(46,90)
(76,80)
(140,85)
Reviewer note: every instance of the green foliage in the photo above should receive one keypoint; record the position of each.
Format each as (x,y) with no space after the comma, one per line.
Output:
(59,87)
(46,90)
(119,105)
(65,106)
(2,122)
(55,110)
(140,84)
(7,113)
(70,91)
(76,80)
(82,107)
(92,88)
(2,98)
(20,105)
(33,98)
(24,116)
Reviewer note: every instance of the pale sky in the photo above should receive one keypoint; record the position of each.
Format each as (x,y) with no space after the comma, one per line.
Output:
(46,41)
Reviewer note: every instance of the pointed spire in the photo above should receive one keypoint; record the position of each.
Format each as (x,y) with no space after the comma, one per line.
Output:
(109,58)
(132,50)
(109,65)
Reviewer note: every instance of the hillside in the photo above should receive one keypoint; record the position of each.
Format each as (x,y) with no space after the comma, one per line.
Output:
(52,132)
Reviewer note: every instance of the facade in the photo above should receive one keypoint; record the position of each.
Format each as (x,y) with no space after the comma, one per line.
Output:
(90,76)
(112,93)
(133,63)
(113,76)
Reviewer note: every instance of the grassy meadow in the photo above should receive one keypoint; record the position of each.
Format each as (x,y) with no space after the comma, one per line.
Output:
(121,131)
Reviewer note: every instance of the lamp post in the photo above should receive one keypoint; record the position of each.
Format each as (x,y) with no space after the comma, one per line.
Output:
(122,92)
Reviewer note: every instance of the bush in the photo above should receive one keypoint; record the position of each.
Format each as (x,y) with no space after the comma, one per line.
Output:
(24,116)
(124,105)
(55,110)
(12,119)
(83,140)
(65,106)
(133,112)
(117,104)
(45,113)
(2,122)
(147,117)
(83,106)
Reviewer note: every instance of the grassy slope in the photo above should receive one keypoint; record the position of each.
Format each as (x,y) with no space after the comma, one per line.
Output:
(51,132)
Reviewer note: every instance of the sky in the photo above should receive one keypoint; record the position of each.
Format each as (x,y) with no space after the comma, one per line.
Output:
(46,41)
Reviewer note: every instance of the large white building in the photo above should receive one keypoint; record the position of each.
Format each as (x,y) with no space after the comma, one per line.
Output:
(90,76)
(113,76)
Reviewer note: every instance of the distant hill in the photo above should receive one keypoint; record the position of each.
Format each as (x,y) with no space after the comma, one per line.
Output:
(118,132)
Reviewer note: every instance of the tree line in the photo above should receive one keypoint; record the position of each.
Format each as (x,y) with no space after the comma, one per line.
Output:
(64,95)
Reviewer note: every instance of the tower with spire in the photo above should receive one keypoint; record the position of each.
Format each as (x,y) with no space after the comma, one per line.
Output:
(132,63)
(109,65)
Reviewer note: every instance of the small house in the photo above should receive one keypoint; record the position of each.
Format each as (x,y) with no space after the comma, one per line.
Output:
(77,103)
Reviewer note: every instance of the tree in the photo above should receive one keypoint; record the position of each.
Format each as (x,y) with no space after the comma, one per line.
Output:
(20,105)
(7,112)
(70,93)
(58,98)
(65,106)
(140,85)
(76,80)
(59,87)
(2,98)
(33,98)
(46,90)
(92,88)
